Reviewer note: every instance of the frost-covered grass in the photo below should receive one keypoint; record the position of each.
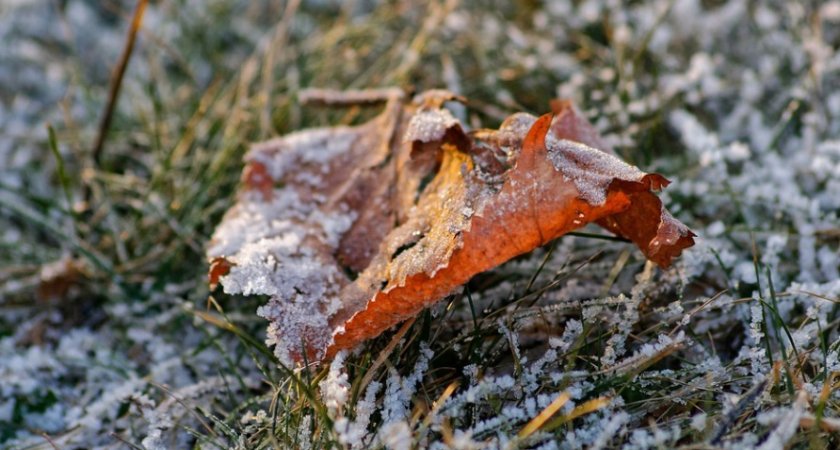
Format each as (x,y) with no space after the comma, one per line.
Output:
(110,339)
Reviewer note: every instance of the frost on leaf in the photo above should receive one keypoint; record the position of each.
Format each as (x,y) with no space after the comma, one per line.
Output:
(350,230)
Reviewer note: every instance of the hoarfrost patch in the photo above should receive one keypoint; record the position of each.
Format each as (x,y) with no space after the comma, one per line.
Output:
(591,170)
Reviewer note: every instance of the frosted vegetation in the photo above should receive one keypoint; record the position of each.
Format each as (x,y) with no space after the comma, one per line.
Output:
(108,336)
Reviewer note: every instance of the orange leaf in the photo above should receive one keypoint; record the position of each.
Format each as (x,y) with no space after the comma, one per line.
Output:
(351,230)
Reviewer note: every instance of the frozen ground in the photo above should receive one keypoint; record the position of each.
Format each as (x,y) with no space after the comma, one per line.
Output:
(107,336)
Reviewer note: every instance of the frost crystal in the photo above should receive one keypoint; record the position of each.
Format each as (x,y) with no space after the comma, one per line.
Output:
(355,433)
(591,170)
(268,243)
(787,426)
(396,435)
(429,125)
(303,148)
(335,388)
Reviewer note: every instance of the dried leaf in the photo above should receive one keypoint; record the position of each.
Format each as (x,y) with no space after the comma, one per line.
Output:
(351,230)
(57,278)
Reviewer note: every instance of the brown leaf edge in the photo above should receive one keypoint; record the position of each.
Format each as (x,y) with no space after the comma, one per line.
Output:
(628,210)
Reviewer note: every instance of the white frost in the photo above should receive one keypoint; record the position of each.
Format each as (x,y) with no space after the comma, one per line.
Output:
(429,125)
(590,169)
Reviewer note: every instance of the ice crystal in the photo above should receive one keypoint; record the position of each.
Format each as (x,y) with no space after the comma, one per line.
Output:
(591,170)
(335,388)
(429,125)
